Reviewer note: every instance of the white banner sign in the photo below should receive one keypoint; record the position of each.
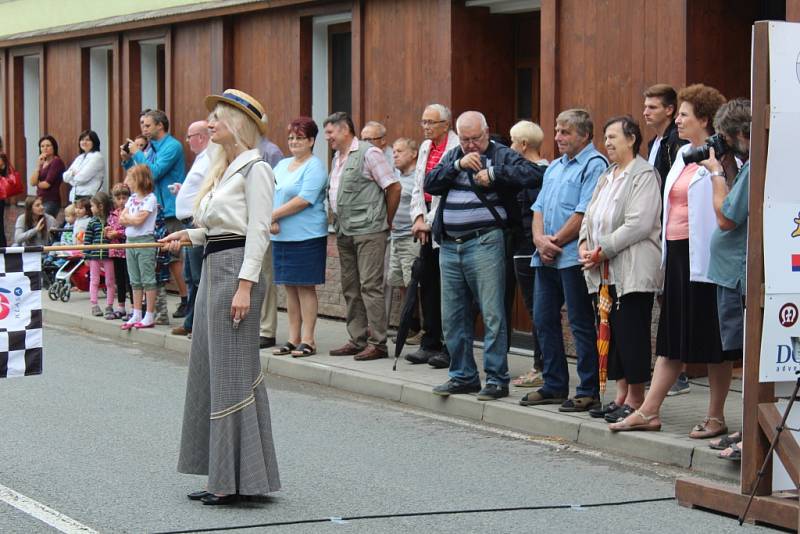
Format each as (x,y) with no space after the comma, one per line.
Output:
(781,218)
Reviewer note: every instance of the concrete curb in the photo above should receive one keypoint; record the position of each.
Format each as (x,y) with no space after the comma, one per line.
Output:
(543,421)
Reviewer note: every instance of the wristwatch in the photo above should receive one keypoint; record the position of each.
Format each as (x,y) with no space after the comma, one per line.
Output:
(718,173)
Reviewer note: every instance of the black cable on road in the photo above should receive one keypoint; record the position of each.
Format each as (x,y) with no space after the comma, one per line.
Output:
(421,514)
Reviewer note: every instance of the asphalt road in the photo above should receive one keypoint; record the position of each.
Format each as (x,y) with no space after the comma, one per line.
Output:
(96,438)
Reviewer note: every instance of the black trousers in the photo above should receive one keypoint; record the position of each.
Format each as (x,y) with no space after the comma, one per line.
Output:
(121,278)
(431,298)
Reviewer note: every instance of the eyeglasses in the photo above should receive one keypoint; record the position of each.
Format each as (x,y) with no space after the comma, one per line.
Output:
(189,137)
(372,139)
(470,140)
(293,138)
(430,123)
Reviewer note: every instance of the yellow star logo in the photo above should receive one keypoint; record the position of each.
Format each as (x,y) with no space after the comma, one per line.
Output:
(796,232)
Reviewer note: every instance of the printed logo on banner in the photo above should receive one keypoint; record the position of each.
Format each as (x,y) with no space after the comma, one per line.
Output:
(796,232)
(6,306)
(788,315)
(796,263)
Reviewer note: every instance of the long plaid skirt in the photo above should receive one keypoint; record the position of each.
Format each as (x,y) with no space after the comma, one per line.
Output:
(227,433)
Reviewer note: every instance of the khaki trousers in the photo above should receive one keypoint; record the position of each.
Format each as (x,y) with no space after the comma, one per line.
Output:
(361,261)
(269,308)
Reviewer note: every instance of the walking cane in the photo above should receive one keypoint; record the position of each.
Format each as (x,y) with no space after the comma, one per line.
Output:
(779,429)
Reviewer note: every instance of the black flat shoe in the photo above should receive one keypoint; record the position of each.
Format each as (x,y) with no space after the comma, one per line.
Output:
(215,500)
(197,495)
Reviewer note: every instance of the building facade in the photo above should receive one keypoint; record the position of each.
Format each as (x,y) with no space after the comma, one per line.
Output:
(67,65)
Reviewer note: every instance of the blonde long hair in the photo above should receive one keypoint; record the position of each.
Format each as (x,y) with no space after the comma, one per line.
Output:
(245,133)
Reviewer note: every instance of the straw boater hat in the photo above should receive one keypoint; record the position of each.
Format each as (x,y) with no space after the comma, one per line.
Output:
(243,102)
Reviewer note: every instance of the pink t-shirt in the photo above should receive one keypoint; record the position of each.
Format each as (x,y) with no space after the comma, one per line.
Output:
(678,216)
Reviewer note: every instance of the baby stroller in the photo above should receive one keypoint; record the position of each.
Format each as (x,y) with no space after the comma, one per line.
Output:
(74,272)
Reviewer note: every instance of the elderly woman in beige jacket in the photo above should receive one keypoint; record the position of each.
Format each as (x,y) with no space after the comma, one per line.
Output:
(619,244)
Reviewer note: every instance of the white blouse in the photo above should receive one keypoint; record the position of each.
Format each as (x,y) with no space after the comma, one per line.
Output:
(86,174)
(240,205)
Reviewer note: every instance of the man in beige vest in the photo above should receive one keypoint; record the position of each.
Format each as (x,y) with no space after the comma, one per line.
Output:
(363,195)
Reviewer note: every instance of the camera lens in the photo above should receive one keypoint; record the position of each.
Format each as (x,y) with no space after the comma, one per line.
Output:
(696,155)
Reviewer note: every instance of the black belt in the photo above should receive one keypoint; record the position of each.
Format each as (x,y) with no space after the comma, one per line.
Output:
(218,243)
(470,235)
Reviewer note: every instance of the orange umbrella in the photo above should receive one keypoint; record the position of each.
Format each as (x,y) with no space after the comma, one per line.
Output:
(603,330)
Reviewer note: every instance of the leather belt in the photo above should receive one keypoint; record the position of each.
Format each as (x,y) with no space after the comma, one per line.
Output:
(470,235)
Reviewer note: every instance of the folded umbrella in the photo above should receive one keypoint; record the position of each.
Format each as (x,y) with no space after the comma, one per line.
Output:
(407,311)
(603,329)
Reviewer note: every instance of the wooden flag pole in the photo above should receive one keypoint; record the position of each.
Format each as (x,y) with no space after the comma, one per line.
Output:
(109,246)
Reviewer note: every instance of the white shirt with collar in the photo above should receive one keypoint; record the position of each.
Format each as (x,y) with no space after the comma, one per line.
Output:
(86,174)
(702,219)
(187,194)
(418,206)
(240,205)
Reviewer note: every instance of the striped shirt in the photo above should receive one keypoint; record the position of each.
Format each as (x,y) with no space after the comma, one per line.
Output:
(463,210)
(401,225)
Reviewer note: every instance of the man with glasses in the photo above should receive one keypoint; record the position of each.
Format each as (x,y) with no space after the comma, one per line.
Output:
(375,133)
(439,138)
(197,138)
(478,183)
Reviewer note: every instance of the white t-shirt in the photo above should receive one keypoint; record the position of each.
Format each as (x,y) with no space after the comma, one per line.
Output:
(651,158)
(187,194)
(135,205)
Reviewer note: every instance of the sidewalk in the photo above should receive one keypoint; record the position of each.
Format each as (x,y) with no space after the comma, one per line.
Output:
(411,384)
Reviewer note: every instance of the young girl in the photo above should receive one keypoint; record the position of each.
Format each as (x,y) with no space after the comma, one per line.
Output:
(115,233)
(83,213)
(139,219)
(95,234)
(68,234)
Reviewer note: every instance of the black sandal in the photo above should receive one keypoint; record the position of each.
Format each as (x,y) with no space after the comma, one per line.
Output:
(725,441)
(287,348)
(302,350)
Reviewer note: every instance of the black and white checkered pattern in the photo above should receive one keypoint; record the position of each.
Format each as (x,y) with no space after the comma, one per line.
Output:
(20,311)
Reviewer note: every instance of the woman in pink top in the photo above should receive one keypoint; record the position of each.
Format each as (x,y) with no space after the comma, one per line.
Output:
(688,330)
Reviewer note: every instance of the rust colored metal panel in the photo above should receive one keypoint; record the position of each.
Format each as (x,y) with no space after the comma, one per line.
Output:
(265,65)
(63,95)
(407,58)
(483,65)
(720,25)
(192,76)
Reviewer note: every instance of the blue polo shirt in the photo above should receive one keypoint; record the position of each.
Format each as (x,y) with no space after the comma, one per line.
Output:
(567,189)
(168,167)
(309,182)
(726,266)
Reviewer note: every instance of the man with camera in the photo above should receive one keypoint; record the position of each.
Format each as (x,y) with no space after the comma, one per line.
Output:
(478,182)
(729,241)
(168,167)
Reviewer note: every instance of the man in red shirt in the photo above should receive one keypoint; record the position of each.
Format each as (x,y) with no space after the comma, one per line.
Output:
(439,138)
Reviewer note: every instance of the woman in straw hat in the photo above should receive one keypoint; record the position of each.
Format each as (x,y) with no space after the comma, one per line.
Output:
(227,433)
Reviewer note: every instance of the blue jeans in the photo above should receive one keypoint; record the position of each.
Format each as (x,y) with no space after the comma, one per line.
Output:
(553,287)
(192,268)
(475,271)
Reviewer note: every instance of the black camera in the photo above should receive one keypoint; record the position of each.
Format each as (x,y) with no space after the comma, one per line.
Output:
(127,147)
(701,153)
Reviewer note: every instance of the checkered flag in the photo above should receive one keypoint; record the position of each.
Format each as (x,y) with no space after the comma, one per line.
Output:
(20,311)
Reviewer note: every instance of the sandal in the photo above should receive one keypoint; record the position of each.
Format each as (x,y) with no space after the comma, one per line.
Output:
(287,348)
(726,441)
(532,379)
(303,349)
(732,453)
(626,426)
(702,431)
(536,398)
(579,404)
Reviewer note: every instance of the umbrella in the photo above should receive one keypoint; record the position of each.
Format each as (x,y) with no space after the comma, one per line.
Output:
(604,329)
(407,311)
